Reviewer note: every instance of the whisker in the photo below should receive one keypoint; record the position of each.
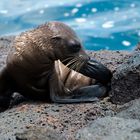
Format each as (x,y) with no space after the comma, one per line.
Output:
(73,65)
(76,63)
(79,66)
(72,61)
(81,63)
(67,59)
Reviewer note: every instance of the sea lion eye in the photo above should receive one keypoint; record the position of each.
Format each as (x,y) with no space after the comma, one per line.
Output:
(74,46)
(56,38)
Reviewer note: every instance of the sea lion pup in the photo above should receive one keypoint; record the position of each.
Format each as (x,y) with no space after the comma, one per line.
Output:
(31,69)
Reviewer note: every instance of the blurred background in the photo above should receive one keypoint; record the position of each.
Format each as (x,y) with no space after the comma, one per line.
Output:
(101,24)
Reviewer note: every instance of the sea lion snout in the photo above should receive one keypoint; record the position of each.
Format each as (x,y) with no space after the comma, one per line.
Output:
(74,45)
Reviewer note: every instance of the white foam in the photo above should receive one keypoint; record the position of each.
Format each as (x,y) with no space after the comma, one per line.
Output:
(3,11)
(132,5)
(116,9)
(78,5)
(28,9)
(108,24)
(61,3)
(126,43)
(112,37)
(92,22)
(80,20)
(74,10)
(83,15)
(66,14)
(125,17)
(134,20)
(46,5)
(94,10)
(41,11)
(107,47)
(138,33)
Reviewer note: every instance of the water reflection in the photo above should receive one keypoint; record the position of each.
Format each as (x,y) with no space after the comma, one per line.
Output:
(101,24)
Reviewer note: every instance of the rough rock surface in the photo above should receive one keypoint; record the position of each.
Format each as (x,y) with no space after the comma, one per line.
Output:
(126,81)
(39,134)
(138,47)
(111,128)
(5,43)
(131,111)
(125,125)
(63,119)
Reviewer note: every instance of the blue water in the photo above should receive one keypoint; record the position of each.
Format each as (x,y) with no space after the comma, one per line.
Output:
(101,24)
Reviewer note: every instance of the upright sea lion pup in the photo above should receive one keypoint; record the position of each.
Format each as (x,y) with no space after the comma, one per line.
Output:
(34,68)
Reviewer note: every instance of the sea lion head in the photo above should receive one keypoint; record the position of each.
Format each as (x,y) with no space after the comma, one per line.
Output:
(66,45)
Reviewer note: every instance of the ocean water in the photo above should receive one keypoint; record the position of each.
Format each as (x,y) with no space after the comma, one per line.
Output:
(101,24)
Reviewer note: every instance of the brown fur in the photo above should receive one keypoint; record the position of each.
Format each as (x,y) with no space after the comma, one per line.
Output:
(31,60)
(34,67)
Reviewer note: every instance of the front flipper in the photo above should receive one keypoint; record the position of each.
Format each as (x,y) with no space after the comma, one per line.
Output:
(90,92)
(4,102)
(84,94)
(96,70)
(60,93)
(6,91)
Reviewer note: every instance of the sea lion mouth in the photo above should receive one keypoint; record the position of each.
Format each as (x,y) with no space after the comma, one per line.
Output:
(89,67)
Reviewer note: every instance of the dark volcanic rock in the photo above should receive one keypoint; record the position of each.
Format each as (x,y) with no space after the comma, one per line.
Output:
(126,81)
(63,118)
(111,128)
(138,47)
(132,111)
(39,134)
(124,126)
(5,44)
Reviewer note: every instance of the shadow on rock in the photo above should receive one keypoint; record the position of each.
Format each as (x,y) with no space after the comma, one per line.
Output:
(126,81)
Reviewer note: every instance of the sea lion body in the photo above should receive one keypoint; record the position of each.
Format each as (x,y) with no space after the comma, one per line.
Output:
(30,63)
(34,67)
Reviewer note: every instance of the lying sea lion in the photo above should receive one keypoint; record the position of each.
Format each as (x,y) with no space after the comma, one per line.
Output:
(34,68)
